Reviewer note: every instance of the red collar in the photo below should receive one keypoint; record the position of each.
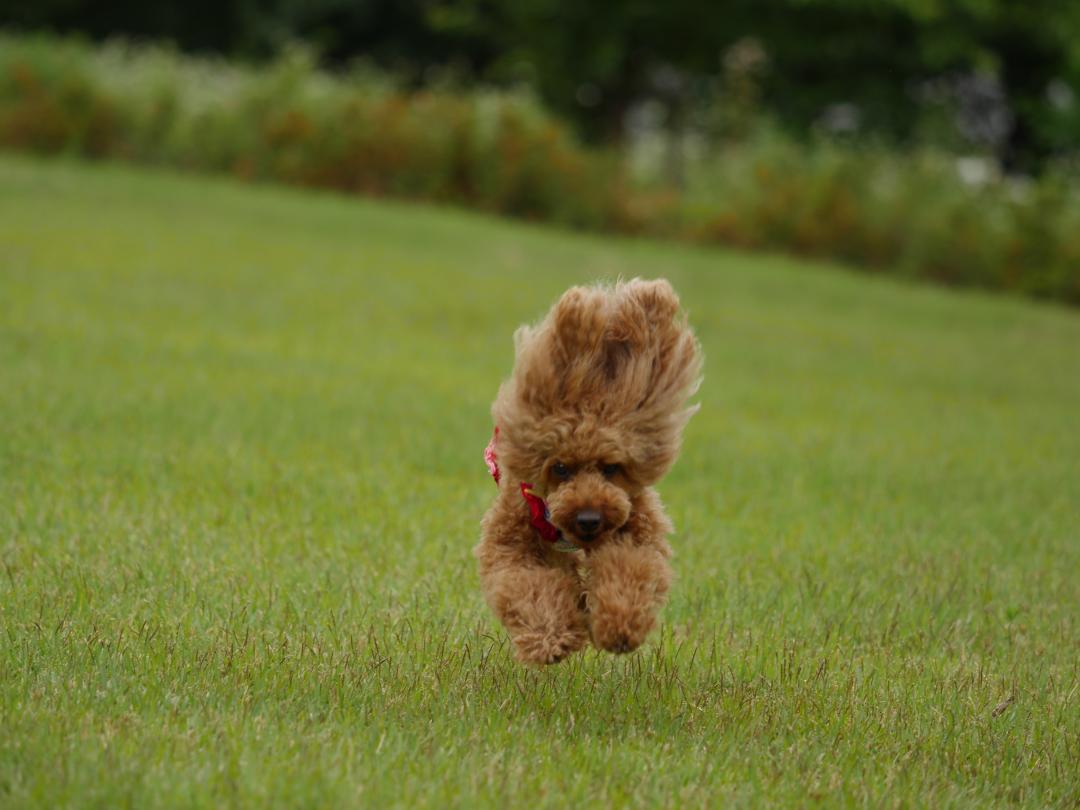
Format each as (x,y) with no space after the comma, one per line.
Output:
(538,511)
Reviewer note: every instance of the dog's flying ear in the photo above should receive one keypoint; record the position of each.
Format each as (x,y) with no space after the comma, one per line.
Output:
(672,352)
(660,373)
(642,313)
(656,300)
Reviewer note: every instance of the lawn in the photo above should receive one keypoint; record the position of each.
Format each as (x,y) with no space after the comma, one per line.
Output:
(241,478)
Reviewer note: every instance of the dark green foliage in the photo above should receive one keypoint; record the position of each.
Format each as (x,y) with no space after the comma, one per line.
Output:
(590,61)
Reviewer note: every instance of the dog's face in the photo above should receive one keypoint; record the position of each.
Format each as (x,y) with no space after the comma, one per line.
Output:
(589,472)
(595,408)
(588,497)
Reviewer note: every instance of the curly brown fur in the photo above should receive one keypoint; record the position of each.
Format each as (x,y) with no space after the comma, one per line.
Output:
(592,416)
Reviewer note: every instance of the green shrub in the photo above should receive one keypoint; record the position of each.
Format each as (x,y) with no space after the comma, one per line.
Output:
(359,132)
(290,122)
(879,209)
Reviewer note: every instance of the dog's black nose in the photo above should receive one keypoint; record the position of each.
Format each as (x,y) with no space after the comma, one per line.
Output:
(588,521)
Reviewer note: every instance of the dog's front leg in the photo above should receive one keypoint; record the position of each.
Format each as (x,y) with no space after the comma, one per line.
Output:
(628,581)
(539,604)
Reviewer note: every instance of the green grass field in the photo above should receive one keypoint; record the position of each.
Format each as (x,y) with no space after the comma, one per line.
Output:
(241,478)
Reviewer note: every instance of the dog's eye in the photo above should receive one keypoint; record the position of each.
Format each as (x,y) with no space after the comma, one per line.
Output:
(611,470)
(560,470)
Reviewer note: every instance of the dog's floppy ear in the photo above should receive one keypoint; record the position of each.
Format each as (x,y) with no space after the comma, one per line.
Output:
(577,326)
(556,360)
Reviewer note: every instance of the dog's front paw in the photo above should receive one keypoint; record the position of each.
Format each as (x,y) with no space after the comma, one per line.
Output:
(626,589)
(547,648)
(619,632)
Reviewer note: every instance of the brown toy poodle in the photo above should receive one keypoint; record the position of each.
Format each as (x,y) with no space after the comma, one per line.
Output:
(574,548)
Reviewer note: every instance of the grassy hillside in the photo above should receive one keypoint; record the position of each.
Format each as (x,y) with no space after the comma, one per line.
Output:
(240,480)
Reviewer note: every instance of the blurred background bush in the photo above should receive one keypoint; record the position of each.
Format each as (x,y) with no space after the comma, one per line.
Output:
(935,139)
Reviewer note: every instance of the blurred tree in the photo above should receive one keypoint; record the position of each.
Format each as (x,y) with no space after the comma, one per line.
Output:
(842,64)
(880,55)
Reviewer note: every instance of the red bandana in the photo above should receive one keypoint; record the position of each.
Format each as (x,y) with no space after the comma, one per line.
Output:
(538,511)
